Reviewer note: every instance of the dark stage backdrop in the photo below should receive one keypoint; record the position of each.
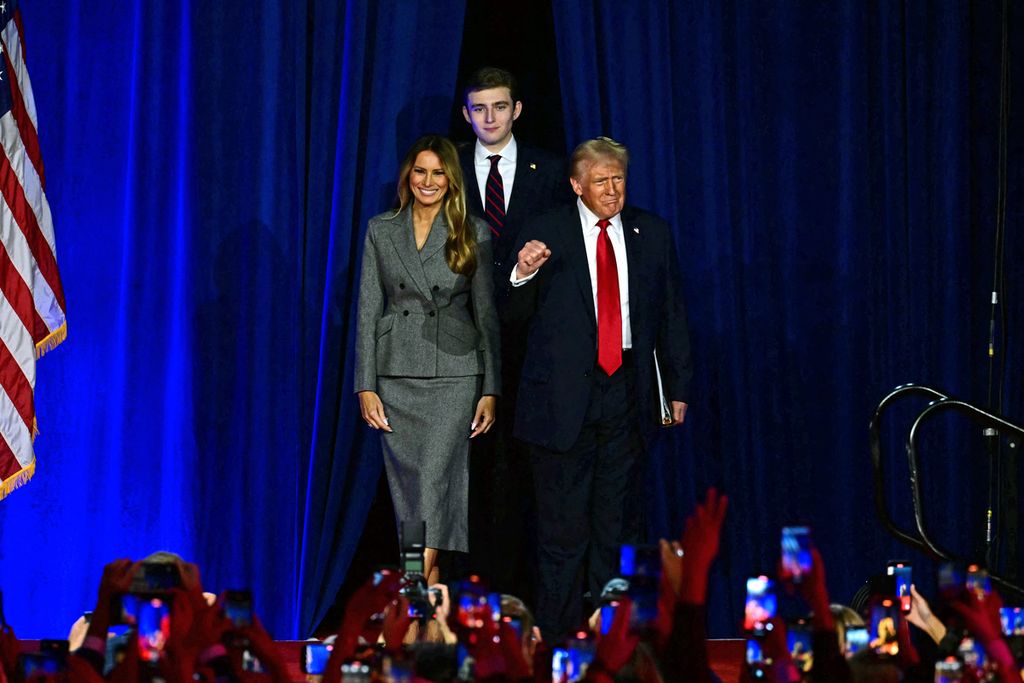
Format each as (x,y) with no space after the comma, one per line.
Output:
(829,170)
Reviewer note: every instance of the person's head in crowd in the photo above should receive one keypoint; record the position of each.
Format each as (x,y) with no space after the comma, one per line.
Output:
(598,175)
(491,105)
(430,177)
(511,606)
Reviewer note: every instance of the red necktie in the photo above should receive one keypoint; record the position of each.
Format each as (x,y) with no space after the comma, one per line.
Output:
(494,201)
(609,312)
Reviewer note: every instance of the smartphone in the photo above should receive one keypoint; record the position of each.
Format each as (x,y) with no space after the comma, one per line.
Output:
(978,580)
(41,666)
(251,663)
(885,616)
(640,560)
(560,665)
(761,604)
(949,670)
(152,627)
(155,577)
(644,594)
(382,573)
(901,573)
(796,553)
(476,605)
(972,654)
(54,647)
(516,623)
(798,640)
(607,617)
(396,669)
(856,640)
(356,672)
(314,658)
(581,654)
(756,663)
(1012,619)
(465,665)
(950,580)
(238,607)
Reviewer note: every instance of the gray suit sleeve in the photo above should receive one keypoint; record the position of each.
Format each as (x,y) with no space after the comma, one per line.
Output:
(485,312)
(371,307)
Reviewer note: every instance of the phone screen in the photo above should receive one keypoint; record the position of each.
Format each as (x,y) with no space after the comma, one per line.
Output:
(640,560)
(978,581)
(560,665)
(798,639)
(607,617)
(644,594)
(856,640)
(314,658)
(761,603)
(1012,619)
(901,573)
(153,627)
(885,616)
(581,654)
(238,607)
(796,552)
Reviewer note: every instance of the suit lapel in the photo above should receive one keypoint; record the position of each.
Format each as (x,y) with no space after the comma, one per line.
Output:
(437,238)
(523,184)
(404,241)
(632,235)
(468,161)
(576,253)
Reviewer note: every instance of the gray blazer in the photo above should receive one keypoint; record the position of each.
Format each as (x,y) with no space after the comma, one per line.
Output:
(416,317)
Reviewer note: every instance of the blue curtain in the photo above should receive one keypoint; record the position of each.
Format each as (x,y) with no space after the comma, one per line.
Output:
(830,172)
(211,167)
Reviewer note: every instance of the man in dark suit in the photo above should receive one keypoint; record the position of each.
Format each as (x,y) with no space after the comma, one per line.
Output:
(597,287)
(506,182)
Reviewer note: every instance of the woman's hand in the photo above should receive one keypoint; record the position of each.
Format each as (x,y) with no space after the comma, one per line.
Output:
(373,410)
(483,420)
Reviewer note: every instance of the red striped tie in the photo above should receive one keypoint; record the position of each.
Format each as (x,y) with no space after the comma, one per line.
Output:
(609,311)
(494,204)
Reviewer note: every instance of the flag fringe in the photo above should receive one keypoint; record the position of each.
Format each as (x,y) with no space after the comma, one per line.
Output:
(18,479)
(52,340)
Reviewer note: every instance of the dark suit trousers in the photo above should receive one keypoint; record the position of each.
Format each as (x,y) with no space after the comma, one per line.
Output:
(588,503)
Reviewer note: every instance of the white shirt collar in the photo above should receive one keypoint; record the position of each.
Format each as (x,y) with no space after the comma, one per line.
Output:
(590,219)
(508,152)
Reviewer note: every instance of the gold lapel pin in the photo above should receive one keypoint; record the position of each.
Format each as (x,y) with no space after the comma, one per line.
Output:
(533,167)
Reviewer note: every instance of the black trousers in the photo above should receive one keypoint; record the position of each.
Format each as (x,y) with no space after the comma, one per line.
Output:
(588,503)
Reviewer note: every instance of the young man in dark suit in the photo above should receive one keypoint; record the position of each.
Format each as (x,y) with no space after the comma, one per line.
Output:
(597,287)
(507,182)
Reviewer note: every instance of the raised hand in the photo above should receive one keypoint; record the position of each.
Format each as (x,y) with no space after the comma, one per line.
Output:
(532,256)
(700,543)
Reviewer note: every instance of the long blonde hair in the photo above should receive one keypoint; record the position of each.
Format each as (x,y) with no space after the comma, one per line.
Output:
(460,248)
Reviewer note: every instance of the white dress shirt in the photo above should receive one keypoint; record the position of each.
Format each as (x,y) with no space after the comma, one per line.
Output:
(588,223)
(506,167)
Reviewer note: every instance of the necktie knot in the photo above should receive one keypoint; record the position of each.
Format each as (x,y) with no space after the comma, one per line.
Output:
(603,224)
(494,159)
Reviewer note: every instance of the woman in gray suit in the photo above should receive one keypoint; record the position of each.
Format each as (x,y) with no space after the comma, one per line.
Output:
(427,368)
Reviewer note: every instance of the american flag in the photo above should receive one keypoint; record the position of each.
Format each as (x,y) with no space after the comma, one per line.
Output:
(31,297)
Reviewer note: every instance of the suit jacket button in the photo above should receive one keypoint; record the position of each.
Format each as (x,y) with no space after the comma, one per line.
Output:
(432,314)
(405,312)
(401,285)
(586,373)
(435,288)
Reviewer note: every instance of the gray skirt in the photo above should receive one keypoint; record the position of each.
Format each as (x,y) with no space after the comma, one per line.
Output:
(427,456)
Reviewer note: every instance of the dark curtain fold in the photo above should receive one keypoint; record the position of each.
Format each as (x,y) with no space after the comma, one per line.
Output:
(830,172)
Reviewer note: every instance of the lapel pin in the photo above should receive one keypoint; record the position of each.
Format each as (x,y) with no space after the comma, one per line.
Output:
(533,167)
(636,230)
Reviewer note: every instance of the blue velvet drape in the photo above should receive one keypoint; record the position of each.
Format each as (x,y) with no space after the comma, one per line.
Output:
(830,171)
(211,167)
